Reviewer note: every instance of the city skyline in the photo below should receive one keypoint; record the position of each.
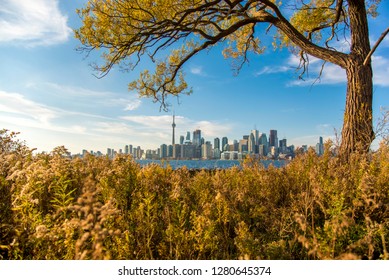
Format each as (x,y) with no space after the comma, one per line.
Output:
(198,147)
(48,91)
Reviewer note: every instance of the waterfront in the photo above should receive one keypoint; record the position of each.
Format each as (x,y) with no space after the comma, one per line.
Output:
(207,164)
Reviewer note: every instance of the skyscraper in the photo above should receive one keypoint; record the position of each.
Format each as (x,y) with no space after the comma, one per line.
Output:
(216,143)
(163,152)
(320,147)
(283,146)
(174,127)
(251,144)
(224,143)
(262,139)
(243,146)
(273,139)
(207,150)
(177,151)
(253,141)
(197,143)
(197,137)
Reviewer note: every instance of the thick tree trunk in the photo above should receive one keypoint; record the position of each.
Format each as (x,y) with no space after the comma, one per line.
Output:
(357,133)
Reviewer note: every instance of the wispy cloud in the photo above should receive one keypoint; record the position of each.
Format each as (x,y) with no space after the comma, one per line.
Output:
(325,129)
(214,128)
(381,70)
(125,101)
(272,70)
(32,23)
(113,127)
(197,70)
(330,74)
(56,124)
(163,124)
(65,119)
(103,130)
(133,105)
(18,110)
(152,121)
(16,104)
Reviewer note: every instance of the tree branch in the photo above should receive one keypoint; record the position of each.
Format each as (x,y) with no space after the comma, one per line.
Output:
(302,42)
(367,59)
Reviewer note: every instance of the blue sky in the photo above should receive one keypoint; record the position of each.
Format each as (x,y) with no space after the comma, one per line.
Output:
(48,92)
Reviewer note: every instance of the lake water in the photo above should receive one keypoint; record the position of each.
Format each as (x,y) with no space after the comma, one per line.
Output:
(207,164)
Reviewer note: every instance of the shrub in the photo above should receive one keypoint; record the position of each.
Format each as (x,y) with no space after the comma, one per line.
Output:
(56,207)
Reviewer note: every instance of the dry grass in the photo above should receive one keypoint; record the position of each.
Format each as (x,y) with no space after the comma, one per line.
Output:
(53,207)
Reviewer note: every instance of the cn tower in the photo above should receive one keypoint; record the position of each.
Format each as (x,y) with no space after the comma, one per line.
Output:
(174,127)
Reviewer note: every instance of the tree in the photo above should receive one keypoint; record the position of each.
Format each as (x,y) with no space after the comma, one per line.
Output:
(128,30)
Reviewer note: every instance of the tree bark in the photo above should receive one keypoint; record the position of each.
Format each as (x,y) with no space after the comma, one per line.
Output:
(357,132)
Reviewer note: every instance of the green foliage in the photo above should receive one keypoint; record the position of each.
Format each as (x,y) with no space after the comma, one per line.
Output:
(56,207)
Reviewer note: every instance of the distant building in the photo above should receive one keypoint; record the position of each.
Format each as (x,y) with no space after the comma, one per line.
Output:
(253,142)
(233,147)
(207,150)
(163,151)
(99,154)
(197,137)
(320,147)
(273,139)
(263,141)
(174,128)
(224,143)
(225,156)
(243,146)
(187,136)
(177,151)
(149,154)
(262,151)
(236,146)
(196,141)
(283,148)
(216,143)
(188,151)
(216,153)
(273,151)
(170,151)
(139,152)
(232,155)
